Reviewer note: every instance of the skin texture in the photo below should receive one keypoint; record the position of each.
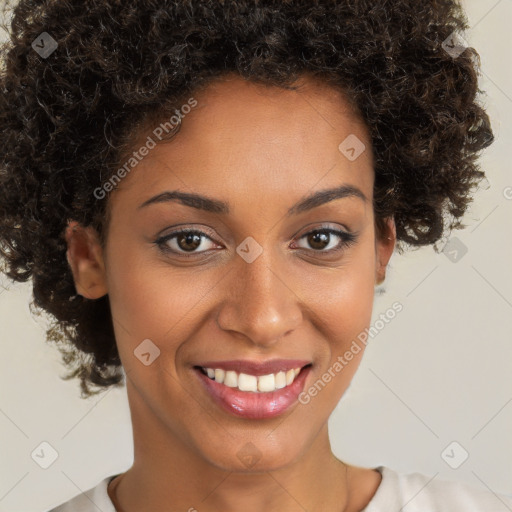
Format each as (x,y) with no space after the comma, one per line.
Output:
(269,149)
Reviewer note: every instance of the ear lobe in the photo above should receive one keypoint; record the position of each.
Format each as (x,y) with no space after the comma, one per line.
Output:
(85,257)
(384,249)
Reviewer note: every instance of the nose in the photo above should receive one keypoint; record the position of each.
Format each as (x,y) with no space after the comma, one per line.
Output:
(260,301)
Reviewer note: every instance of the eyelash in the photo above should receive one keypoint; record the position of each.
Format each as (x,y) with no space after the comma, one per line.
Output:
(347,239)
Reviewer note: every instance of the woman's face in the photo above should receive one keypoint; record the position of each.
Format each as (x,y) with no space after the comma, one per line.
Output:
(253,285)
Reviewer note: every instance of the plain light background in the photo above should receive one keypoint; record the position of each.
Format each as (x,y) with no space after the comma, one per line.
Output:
(440,372)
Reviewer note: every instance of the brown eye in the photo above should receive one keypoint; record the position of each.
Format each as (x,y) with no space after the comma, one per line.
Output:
(188,241)
(184,241)
(320,239)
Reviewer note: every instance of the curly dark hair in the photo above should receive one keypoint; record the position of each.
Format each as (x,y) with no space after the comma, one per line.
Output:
(66,120)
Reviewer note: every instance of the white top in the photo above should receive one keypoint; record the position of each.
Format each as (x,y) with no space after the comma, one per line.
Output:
(413,492)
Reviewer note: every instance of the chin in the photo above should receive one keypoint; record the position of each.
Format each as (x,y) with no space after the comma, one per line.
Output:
(254,457)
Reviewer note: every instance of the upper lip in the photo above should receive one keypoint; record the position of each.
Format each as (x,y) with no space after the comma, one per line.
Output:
(256,367)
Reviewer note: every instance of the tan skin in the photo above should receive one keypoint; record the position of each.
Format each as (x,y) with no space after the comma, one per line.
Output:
(261,149)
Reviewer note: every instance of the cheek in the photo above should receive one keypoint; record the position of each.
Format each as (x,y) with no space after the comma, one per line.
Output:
(346,293)
(151,299)
(344,311)
(344,314)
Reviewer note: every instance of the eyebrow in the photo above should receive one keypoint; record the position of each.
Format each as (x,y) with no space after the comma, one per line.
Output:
(215,206)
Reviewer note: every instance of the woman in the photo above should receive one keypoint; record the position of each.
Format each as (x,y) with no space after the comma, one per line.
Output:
(205,194)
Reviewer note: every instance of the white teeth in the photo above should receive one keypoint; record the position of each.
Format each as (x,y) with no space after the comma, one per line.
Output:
(245,382)
(219,375)
(267,382)
(280,380)
(230,379)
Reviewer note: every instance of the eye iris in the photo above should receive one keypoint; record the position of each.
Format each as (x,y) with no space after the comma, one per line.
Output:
(320,237)
(193,238)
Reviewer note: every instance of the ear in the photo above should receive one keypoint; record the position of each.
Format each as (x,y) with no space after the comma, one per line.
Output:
(384,247)
(85,257)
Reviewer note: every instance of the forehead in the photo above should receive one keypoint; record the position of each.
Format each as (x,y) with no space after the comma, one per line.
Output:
(257,137)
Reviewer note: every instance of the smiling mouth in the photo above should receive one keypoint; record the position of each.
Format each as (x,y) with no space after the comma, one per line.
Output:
(253,383)
(254,397)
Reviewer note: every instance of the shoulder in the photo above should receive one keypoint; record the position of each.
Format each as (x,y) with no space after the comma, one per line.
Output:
(91,500)
(416,492)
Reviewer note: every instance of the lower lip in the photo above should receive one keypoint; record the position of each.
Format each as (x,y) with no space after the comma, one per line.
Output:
(252,405)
